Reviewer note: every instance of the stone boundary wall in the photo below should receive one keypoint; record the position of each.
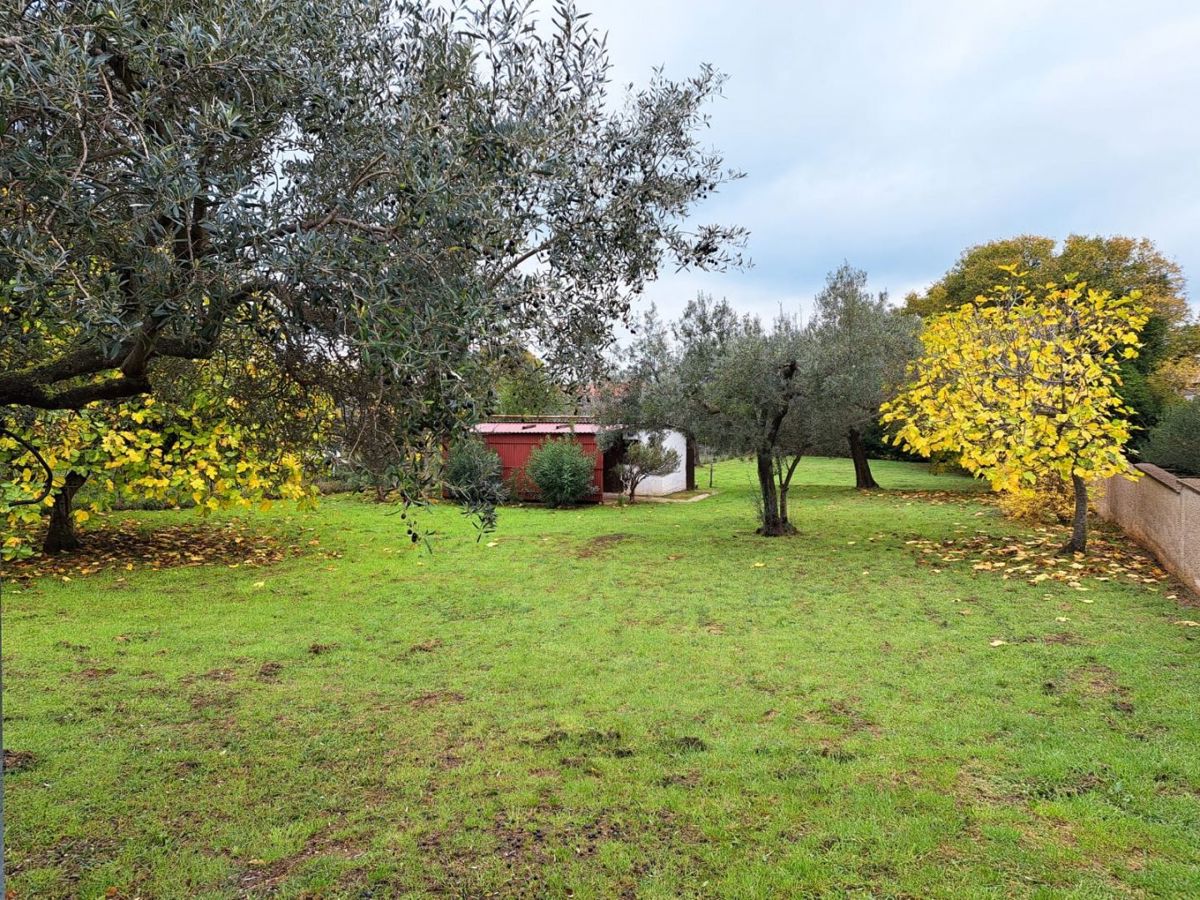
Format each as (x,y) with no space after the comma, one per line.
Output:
(1162,513)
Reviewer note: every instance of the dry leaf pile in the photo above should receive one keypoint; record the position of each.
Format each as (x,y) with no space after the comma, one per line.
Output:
(1038,559)
(126,545)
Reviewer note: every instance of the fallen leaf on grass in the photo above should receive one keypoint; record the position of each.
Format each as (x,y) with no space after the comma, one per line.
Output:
(1038,559)
(125,544)
(997,643)
(759,565)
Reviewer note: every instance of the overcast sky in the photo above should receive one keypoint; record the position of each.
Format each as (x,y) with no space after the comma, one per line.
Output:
(894,135)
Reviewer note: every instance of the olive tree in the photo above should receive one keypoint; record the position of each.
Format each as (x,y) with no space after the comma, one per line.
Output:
(755,403)
(861,347)
(376,188)
(644,457)
(658,378)
(731,384)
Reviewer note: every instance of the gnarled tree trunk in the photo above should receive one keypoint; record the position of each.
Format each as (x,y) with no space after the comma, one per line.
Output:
(60,535)
(774,517)
(1078,541)
(863,479)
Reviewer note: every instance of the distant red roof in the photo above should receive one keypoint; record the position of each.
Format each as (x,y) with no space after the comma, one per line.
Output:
(538,428)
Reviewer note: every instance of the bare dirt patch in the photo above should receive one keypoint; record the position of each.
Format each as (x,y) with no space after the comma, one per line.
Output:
(18,760)
(93,672)
(599,544)
(263,877)
(588,740)
(687,744)
(518,845)
(1096,681)
(844,714)
(425,646)
(200,701)
(1065,638)
(687,779)
(436,698)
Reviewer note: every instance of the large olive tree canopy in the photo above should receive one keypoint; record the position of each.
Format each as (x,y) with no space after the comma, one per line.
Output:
(391,185)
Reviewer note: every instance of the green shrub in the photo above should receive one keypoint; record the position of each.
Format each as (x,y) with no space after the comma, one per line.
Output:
(1174,443)
(474,473)
(562,472)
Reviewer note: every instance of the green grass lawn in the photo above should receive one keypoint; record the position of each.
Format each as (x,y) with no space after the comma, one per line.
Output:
(647,701)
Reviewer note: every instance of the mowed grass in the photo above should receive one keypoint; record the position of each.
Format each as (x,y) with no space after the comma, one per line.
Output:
(646,701)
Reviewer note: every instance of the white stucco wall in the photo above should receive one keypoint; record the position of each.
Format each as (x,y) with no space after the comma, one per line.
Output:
(661,485)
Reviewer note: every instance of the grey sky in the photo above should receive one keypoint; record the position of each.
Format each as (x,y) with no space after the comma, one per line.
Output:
(896,134)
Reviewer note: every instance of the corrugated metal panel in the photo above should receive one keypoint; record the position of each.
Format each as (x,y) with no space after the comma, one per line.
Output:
(537,428)
(514,449)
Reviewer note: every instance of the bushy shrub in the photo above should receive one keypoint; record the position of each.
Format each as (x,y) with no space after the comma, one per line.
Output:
(474,473)
(1174,443)
(562,472)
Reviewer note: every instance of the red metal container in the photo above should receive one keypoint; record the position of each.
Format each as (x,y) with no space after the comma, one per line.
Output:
(514,441)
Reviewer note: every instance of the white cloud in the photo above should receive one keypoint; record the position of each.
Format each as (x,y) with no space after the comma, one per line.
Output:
(895,135)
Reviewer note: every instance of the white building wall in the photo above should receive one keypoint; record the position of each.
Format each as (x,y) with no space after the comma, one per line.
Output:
(661,485)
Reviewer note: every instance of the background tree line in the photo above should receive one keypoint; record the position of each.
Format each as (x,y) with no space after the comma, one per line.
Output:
(1037,367)
(774,392)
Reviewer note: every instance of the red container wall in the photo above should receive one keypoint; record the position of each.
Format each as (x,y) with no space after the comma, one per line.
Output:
(514,450)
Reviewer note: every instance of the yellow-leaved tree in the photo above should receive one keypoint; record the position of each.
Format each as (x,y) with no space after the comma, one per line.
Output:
(198,445)
(1023,385)
(238,428)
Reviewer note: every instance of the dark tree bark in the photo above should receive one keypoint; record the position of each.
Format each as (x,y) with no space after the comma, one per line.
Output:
(785,483)
(1078,541)
(774,522)
(61,534)
(863,479)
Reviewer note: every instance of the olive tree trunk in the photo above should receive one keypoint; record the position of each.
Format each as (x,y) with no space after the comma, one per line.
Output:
(60,535)
(863,479)
(774,500)
(772,525)
(633,486)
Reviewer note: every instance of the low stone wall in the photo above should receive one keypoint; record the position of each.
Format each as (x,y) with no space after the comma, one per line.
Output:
(1162,513)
